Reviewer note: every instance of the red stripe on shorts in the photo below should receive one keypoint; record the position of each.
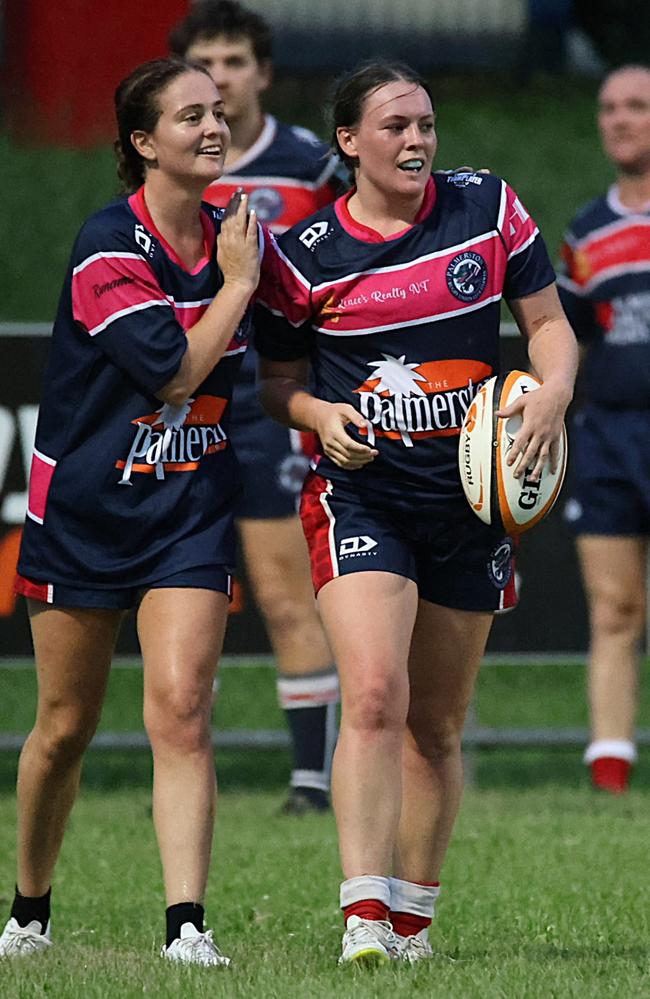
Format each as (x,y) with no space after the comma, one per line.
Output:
(318,526)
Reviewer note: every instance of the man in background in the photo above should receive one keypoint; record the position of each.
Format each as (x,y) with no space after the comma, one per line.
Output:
(289,174)
(606,293)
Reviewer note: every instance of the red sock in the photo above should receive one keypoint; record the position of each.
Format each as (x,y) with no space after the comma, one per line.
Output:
(610,774)
(407,924)
(367,908)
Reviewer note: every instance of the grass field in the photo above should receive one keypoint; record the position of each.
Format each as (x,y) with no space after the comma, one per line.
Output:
(543,140)
(545,887)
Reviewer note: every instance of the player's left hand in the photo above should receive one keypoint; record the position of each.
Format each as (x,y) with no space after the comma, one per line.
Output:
(537,441)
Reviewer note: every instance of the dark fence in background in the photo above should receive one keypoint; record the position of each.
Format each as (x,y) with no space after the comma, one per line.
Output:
(550,617)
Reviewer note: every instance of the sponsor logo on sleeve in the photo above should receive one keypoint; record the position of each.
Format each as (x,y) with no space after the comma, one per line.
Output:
(315,234)
(143,239)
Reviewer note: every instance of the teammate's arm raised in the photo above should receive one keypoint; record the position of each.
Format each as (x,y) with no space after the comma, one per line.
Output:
(208,339)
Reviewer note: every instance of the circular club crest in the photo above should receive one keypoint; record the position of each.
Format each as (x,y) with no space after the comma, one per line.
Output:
(500,564)
(467,276)
(267,203)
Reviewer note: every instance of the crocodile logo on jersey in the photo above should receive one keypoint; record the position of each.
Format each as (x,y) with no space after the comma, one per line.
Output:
(267,203)
(467,276)
(500,564)
(411,401)
(175,438)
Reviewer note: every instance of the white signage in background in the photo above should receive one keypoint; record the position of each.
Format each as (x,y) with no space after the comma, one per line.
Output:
(17,430)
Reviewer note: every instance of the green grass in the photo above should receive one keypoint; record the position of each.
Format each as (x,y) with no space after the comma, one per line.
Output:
(543,140)
(544,896)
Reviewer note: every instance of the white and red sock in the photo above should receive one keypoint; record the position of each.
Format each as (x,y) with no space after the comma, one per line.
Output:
(610,762)
(412,905)
(367,896)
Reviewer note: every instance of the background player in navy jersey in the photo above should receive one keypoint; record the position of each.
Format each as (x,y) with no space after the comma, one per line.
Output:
(606,291)
(132,492)
(288,173)
(394,294)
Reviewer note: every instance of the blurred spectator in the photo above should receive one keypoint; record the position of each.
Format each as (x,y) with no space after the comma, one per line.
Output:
(606,294)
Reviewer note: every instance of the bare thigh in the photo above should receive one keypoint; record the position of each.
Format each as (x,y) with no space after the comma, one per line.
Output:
(73,649)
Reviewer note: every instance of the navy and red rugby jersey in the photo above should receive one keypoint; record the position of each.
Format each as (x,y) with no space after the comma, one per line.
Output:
(605,289)
(288,172)
(406,329)
(125,489)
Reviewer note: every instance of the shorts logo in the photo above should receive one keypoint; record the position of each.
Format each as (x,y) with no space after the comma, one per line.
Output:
(267,203)
(310,237)
(499,565)
(360,545)
(467,276)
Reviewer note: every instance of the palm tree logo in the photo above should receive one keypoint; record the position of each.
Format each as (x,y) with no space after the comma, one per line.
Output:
(396,377)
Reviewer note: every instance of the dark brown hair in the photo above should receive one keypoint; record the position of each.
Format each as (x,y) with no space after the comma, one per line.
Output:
(350,91)
(208,19)
(137,108)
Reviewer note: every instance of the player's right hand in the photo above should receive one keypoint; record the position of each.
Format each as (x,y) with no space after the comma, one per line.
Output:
(337,444)
(237,244)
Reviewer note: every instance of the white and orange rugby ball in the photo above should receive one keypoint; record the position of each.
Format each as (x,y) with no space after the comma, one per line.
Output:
(492,490)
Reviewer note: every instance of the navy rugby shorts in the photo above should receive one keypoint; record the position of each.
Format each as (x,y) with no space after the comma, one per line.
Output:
(200,577)
(456,560)
(273,460)
(609,455)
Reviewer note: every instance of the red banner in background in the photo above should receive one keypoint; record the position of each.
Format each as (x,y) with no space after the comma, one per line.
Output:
(64,58)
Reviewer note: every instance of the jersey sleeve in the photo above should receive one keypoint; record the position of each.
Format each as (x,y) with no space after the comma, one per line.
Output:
(577,308)
(528,266)
(118,301)
(283,306)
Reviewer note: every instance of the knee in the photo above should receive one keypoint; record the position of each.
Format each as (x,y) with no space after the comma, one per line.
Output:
(63,737)
(178,720)
(281,613)
(434,738)
(616,614)
(379,704)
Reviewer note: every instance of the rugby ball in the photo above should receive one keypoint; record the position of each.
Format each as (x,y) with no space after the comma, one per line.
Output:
(489,484)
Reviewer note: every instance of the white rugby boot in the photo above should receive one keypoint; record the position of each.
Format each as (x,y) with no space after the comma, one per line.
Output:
(23,941)
(367,941)
(193,947)
(413,948)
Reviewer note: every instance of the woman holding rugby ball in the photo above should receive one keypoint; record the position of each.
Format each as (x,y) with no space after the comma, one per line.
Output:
(393,294)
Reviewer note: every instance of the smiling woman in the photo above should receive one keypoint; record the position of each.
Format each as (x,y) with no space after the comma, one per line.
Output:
(393,293)
(132,490)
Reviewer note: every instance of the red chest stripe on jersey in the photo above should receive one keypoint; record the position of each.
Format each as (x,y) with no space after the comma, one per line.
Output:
(107,286)
(189,313)
(409,402)
(407,294)
(613,250)
(289,201)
